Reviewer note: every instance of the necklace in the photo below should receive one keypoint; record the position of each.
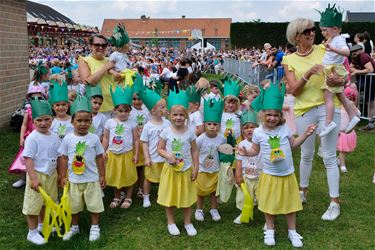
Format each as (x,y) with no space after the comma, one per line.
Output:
(305,54)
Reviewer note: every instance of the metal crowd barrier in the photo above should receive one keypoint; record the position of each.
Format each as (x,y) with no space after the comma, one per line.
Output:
(366,94)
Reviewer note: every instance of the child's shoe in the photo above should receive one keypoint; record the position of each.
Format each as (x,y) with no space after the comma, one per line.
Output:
(73,231)
(295,238)
(327,129)
(215,215)
(18,184)
(173,229)
(146,201)
(343,169)
(269,237)
(332,212)
(237,220)
(40,227)
(34,237)
(353,122)
(94,233)
(190,229)
(303,197)
(199,215)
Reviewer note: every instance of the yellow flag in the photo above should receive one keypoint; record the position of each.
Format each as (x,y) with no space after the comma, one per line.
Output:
(128,74)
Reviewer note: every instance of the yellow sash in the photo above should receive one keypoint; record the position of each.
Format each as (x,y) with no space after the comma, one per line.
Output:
(248,205)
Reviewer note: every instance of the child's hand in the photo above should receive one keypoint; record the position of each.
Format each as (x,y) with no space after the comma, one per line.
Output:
(194,174)
(102,182)
(34,184)
(242,151)
(328,47)
(239,180)
(148,162)
(105,156)
(171,159)
(63,181)
(22,142)
(311,129)
(135,159)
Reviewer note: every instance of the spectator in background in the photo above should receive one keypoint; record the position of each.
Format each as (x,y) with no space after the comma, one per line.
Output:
(367,42)
(358,39)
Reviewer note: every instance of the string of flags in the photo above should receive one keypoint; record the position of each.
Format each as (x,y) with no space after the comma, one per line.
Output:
(183,31)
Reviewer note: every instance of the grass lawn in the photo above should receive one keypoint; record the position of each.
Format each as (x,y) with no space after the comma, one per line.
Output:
(146,228)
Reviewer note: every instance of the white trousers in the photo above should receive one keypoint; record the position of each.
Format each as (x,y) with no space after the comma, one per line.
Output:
(328,148)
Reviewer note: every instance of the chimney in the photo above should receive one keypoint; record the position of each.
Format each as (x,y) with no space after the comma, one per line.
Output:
(183,17)
(143,17)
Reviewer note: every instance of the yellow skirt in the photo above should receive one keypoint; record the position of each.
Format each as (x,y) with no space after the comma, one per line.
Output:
(176,188)
(278,194)
(141,157)
(120,171)
(206,183)
(152,173)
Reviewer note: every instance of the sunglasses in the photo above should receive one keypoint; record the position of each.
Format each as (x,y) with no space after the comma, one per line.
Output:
(101,45)
(307,32)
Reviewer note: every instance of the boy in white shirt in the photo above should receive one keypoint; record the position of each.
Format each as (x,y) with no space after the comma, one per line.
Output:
(94,94)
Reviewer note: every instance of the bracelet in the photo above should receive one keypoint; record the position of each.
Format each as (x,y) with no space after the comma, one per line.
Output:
(304,78)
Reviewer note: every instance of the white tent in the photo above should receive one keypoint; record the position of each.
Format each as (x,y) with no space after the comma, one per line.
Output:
(198,46)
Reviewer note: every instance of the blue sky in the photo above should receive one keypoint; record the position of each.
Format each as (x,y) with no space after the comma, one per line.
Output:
(94,12)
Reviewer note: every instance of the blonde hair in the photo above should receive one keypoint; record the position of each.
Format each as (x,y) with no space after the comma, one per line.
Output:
(229,98)
(295,27)
(250,89)
(157,105)
(261,117)
(177,108)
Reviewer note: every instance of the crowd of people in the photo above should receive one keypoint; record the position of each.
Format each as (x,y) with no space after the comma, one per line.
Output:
(126,117)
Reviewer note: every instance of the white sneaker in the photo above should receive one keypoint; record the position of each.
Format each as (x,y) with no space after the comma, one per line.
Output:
(332,212)
(199,215)
(343,169)
(40,227)
(94,233)
(18,184)
(327,129)
(303,197)
(146,201)
(237,220)
(73,231)
(34,237)
(173,229)
(295,238)
(215,215)
(269,237)
(353,122)
(190,229)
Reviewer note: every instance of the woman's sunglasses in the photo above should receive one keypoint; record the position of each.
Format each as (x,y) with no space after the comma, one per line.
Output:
(307,32)
(101,45)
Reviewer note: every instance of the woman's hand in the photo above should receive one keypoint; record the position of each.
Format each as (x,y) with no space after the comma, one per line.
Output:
(314,70)
(333,80)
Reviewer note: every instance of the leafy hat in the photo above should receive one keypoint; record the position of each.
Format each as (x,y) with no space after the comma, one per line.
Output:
(213,110)
(93,91)
(231,87)
(40,107)
(122,95)
(58,92)
(81,103)
(40,69)
(148,96)
(194,94)
(331,17)
(270,98)
(179,98)
(249,116)
(119,36)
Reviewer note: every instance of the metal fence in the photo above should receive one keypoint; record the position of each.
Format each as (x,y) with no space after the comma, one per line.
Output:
(366,94)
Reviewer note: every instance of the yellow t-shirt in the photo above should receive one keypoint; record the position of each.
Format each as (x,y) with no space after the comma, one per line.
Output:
(105,82)
(312,94)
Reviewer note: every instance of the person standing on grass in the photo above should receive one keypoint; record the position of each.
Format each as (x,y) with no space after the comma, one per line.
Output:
(40,155)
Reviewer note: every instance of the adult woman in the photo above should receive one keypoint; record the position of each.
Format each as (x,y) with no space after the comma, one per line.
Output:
(93,69)
(303,71)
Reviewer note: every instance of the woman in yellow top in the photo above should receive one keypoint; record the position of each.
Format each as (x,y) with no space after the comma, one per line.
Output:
(93,69)
(304,75)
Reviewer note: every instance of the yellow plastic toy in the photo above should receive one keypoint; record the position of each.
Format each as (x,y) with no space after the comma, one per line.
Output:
(248,205)
(128,74)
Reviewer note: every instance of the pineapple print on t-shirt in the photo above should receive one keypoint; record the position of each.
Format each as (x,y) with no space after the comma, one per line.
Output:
(118,139)
(276,153)
(79,161)
(177,145)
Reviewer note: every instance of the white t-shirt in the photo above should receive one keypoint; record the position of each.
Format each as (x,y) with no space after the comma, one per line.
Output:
(331,57)
(121,61)
(230,122)
(42,149)
(139,117)
(92,148)
(166,73)
(282,134)
(179,145)
(150,134)
(208,154)
(98,123)
(251,166)
(78,88)
(120,135)
(195,120)
(61,128)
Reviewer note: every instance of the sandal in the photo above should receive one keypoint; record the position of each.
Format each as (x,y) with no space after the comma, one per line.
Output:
(127,203)
(115,203)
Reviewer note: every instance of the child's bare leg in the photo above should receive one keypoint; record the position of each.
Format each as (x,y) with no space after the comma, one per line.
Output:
(94,218)
(75,219)
(187,215)
(170,215)
(213,201)
(129,192)
(291,220)
(348,105)
(330,108)
(342,158)
(200,201)
(141,177)
(117,193)
(32,221)
(146,187)
(41,214)
(270,219)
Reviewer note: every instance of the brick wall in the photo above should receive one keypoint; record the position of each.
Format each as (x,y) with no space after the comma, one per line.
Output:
(14,71)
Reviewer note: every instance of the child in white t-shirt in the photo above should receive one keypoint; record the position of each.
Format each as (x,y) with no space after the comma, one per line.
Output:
(195,117)
(94,94)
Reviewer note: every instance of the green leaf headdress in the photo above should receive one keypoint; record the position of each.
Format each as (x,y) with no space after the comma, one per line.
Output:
(331,17)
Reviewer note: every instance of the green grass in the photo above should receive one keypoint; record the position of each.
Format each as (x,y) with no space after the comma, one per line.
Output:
(140,228)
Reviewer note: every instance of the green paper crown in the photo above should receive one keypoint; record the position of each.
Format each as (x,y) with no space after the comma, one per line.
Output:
(331,17)
(81,103)
(193,94)
(249,116)
(122,95)
(270,98)
(93,91)
(138,83)
(177,99)
(231,87)
(40,107)
(213,110)
(119,36)
(57,92)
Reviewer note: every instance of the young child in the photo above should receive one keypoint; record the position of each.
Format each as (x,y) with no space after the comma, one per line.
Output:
(248,169)
(178,146)
(94,94)
(82,157)
(230,121)
(120,141)
(209,164)
(250,91)
(150,137)
(277,188)
(40,155)
(140,116)
(333,60)
(76,84)
(41,78)
(58,97)
(195,117)
(346,143)
(56,69)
